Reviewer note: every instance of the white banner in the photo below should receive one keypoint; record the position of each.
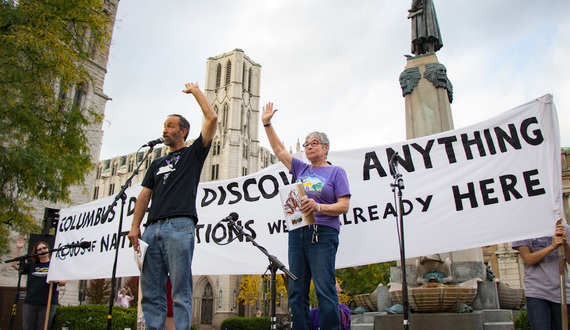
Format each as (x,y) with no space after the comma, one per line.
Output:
(494,182)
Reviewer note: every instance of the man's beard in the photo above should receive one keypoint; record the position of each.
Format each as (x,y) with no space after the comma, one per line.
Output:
(171,140)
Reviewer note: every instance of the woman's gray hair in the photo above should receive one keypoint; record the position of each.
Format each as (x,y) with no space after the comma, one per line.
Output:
(321,137)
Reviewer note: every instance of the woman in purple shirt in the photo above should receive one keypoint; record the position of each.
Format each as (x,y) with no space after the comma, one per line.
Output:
(312,249)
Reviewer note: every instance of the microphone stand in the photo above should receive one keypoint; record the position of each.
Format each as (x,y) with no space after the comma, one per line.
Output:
(18,288)
(16,297)
(397,188)
(122,196)
(274,264)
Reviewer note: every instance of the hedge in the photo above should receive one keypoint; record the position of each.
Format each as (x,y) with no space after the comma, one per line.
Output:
(94,317)
(246,323)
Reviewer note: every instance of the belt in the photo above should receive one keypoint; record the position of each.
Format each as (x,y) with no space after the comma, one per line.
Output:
(148,223)
(152,222)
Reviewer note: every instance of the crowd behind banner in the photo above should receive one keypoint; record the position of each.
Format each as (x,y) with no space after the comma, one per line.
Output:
(493,182)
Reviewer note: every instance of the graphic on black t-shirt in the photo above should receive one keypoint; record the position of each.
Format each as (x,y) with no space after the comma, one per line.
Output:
(40,272)
(169,167)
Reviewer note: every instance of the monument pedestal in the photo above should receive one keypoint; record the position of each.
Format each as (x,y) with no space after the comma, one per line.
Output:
(478,320)
(462,271)
(428,106)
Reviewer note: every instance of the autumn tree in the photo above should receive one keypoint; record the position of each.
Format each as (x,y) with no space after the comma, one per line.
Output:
(279,287)
(43,150)
(252,288)
(343,297)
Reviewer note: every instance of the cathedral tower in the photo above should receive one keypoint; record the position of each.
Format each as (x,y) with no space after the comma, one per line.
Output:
(232,87)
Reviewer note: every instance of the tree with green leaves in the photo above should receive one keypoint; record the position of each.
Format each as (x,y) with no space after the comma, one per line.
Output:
(44,48)
(364,279)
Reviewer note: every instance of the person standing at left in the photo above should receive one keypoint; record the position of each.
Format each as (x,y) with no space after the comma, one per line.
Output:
(37,292)
(172,183)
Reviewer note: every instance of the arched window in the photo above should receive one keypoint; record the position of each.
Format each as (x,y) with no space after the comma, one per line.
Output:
(207,312)
(249,81)
(229,72)
(215,172)
(243,123)
(243,78)
(216,148)
(218,75)
(114,169)
(225,115)
(80,94)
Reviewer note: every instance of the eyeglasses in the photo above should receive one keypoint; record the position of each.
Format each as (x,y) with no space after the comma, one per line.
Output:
(312,144)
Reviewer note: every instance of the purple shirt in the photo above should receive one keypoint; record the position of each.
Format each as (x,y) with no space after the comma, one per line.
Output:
(542,280)
(324,184)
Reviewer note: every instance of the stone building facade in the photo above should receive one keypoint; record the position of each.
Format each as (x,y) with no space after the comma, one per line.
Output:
(232,87)
(88,95)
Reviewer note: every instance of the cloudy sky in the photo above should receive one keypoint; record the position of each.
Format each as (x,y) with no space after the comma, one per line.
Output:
(331,65)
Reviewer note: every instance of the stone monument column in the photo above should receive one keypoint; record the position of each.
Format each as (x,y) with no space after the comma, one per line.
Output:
(428,101)
(428,96)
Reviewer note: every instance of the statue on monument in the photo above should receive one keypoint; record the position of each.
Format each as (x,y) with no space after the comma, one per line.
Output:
(433,269)
(426,37)
(436,73)
(409,80)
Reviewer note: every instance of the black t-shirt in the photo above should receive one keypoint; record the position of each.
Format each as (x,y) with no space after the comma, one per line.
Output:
(174,180)
(38,290)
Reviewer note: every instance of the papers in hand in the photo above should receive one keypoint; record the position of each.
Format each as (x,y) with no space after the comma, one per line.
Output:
(139,254)
(291,197)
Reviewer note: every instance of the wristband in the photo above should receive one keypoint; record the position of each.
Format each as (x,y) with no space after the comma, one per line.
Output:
(265,125)
(319,208)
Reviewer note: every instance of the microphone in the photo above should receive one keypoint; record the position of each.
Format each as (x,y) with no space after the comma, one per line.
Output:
(154,142)
(83,245)
(232,217)
(393,164)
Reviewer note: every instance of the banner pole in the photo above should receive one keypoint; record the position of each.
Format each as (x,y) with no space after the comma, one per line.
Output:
(562,269)
(48,307)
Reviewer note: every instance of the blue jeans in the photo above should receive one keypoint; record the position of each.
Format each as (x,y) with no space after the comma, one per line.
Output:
(543,314)
(316,260)
(170,250)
